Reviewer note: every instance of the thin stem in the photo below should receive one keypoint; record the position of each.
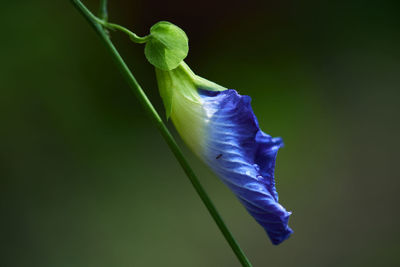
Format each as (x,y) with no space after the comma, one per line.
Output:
(103,14)
(156,119)
(134,37)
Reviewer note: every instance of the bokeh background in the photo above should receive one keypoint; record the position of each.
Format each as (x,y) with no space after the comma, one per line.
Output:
(86,179)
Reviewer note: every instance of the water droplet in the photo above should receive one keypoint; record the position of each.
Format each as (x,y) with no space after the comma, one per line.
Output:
(256,167)
(259,177)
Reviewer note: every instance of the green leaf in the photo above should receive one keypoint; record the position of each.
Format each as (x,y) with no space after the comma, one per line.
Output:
(167,47)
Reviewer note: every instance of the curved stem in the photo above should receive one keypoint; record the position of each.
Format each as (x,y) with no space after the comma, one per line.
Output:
(134,37)
(156,119)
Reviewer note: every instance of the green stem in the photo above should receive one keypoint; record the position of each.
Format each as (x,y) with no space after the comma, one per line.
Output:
(134,37)
(103,14)
(156,119)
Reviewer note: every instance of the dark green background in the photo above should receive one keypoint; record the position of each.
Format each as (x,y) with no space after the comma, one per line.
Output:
(86,180)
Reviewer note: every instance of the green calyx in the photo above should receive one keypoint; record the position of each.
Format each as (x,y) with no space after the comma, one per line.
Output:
(167,46)
(181,82)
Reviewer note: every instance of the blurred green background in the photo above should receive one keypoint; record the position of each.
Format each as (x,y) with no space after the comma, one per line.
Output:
(86,180)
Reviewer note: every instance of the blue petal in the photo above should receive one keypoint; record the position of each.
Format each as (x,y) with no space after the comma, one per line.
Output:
(244,158)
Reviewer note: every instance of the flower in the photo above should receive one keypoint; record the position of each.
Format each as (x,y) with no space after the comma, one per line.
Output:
(219,126)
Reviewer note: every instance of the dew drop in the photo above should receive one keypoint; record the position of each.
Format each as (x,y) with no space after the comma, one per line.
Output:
(256,167)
